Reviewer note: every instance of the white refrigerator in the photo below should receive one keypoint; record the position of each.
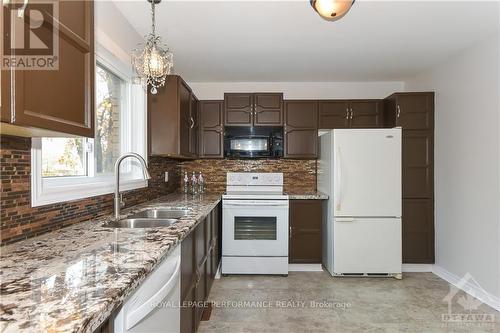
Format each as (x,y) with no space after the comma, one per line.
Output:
(360,170)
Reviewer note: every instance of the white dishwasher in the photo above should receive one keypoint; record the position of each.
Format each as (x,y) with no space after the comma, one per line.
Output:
(154,306)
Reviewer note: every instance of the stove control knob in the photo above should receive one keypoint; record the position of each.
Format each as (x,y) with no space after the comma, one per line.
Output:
(234,179)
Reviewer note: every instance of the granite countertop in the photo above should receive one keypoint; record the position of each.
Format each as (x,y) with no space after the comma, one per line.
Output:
(317,195)
(72,279)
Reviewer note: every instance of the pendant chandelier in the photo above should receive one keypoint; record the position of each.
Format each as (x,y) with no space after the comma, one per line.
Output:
(152,60)
(331,10)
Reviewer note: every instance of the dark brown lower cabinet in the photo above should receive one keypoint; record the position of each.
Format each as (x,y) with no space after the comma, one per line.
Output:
(188,311)
(418,230)
(199,262)
(213,248)
(106,327)
(201,267)
(201,293)
(188,283)
(306,219)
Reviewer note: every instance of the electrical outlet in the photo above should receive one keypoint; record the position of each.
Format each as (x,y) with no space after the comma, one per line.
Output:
(166,176)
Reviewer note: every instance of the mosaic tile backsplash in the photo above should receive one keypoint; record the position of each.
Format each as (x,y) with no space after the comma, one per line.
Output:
(299,175)
(18,220)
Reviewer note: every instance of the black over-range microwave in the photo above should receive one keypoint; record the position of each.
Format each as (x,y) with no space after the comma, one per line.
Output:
(253,142)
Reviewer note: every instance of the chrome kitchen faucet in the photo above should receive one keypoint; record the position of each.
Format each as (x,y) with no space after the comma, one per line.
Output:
(145,173)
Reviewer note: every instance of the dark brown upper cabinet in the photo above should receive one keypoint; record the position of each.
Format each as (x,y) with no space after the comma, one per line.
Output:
(301,129)
(253,109)
(411,110)
(238,109)
(268,109)
(350,114)
(211,129)
(184,119)
(173,120)
(194,126)
(60,101)
(366,113)
(333,114)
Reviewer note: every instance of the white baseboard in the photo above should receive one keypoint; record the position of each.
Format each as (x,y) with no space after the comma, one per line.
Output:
(305,268)
(414,268)
(471,287)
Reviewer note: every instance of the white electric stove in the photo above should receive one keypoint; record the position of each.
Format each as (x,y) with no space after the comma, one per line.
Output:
(255,224)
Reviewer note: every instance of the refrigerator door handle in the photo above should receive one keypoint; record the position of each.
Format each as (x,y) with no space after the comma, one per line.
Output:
(344,219)
(338,178)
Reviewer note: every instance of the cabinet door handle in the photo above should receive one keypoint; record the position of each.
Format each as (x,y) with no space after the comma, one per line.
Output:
(399,112)
(192,122)
(347,113)
(198,276)
(352,113)
(290,234)
(20,11)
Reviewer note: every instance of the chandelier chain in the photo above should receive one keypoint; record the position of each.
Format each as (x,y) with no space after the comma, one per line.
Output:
(153,18)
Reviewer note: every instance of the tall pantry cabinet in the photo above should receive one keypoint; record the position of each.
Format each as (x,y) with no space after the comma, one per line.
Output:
(414,112)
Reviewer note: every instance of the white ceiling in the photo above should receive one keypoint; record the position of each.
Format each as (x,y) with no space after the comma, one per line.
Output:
(287,41)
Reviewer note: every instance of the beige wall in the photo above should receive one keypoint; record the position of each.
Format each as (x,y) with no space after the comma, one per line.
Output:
(299,90)
(467,162)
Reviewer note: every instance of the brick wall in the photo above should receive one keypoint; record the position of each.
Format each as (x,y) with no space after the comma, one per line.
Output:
(299,175)
(18,220)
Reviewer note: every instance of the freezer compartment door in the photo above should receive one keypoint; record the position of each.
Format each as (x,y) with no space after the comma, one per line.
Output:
(367,172)
(367,245)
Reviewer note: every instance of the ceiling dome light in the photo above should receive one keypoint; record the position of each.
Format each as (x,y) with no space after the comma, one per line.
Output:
(332,10)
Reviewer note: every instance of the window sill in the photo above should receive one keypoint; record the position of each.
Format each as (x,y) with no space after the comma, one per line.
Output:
(56,194)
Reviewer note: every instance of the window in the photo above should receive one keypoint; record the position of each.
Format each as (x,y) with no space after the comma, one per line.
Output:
(74,168)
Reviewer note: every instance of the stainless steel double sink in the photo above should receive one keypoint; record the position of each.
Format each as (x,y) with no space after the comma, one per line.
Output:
(151,218)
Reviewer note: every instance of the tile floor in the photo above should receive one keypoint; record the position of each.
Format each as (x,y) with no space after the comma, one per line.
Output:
(414,304)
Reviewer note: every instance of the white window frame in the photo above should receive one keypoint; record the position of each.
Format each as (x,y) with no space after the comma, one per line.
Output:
(60,189)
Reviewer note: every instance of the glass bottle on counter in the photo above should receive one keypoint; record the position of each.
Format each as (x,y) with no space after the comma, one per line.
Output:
(194,184)
(185,188)
(201,183)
